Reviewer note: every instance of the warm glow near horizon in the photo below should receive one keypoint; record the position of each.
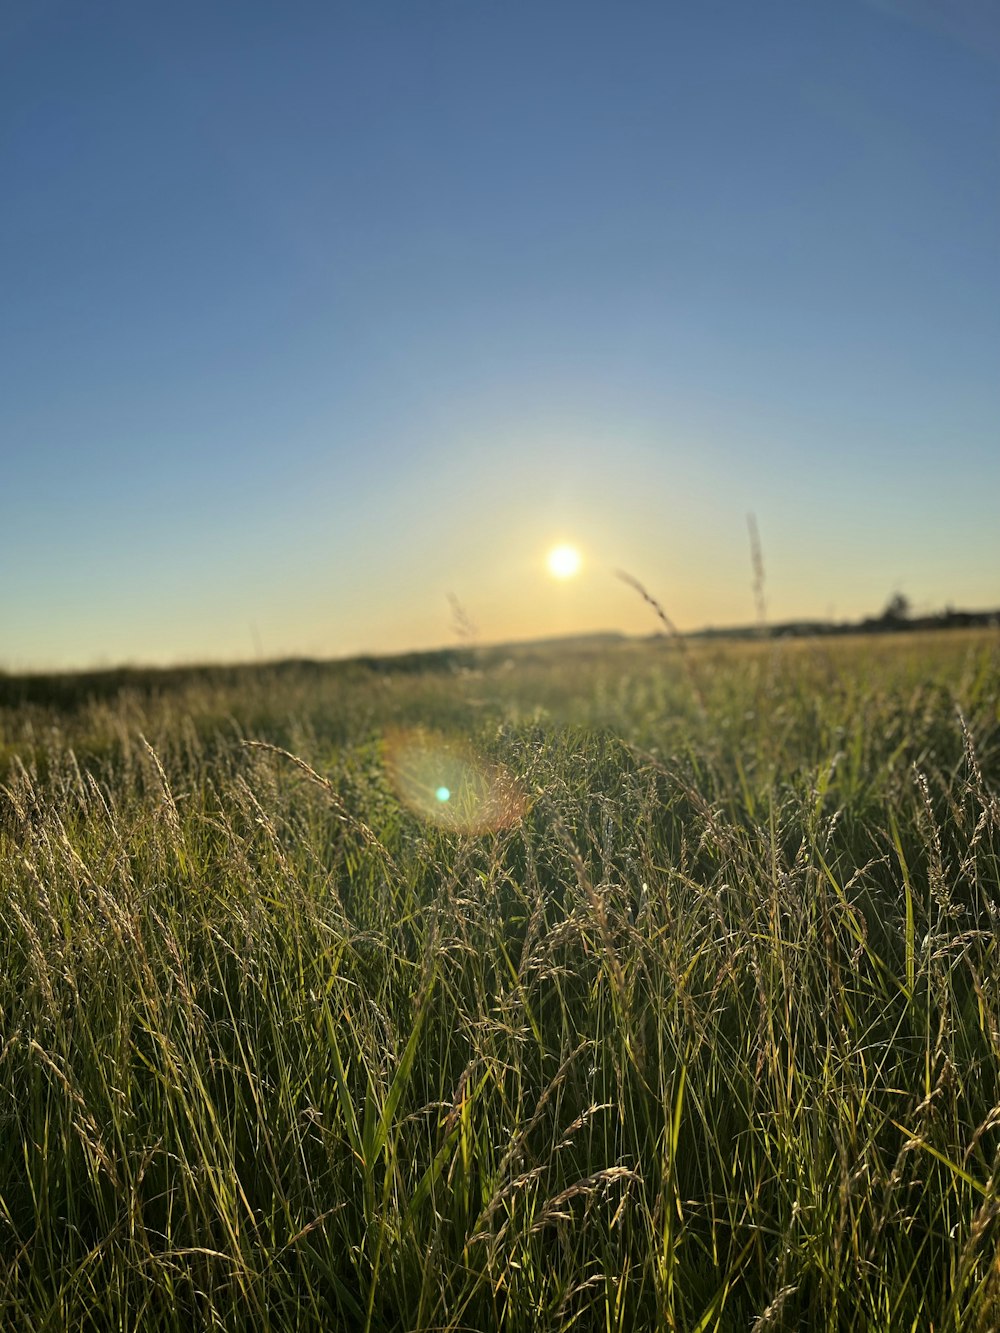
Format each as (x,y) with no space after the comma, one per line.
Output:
(308,393)
(564,561)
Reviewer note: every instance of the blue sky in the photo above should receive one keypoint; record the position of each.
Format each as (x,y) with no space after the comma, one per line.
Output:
(315,313)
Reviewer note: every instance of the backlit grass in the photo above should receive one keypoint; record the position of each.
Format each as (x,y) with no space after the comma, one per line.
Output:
(708,1039)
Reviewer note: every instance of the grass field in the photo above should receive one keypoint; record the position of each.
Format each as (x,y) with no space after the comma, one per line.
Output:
(699,1029)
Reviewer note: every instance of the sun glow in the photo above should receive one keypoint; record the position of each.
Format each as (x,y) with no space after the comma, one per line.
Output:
(563,562)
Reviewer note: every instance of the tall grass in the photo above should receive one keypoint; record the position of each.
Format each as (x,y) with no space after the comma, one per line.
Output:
(709,1041)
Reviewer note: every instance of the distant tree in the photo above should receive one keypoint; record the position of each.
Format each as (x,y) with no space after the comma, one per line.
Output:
(897,607)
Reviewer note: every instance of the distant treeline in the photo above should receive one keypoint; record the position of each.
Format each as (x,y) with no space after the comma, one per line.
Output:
(70,690)
(887,623)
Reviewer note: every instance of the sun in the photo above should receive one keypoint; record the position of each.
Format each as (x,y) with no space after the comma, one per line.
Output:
(563,562)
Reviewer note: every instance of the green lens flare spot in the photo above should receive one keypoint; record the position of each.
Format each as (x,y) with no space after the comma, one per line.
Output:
(443,780)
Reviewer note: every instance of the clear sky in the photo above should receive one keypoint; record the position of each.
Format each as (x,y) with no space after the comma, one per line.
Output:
(312,314)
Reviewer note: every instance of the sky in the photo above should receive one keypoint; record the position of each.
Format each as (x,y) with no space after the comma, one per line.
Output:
(314,316)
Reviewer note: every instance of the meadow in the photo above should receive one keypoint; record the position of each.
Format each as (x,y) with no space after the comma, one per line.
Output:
(698,1029)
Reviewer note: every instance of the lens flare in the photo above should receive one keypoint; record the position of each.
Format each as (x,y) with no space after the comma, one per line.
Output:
(445,782)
